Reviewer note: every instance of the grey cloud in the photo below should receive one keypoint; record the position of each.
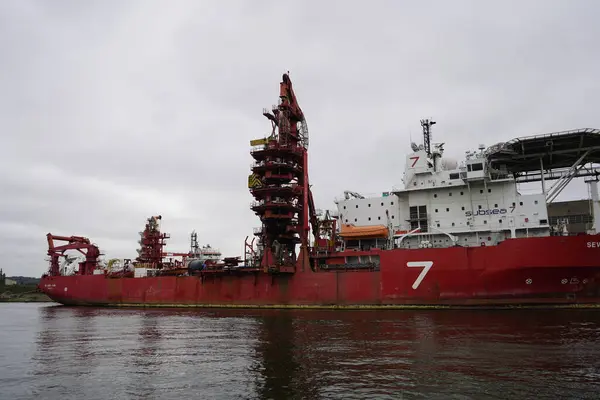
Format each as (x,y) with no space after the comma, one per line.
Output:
(113,111)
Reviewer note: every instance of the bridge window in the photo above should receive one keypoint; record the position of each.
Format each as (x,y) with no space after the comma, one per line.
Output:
(543,221)
(454,176)
(477,167)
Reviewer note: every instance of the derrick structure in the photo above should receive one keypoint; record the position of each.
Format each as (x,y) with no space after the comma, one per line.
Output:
(279,184)
(152,241)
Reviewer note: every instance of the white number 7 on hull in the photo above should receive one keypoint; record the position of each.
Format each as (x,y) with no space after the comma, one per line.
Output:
(426,265)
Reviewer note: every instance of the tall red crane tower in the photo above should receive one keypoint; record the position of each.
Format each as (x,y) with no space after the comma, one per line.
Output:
(279,185)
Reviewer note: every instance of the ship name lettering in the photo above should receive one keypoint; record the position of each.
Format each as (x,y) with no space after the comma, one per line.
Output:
(593,245)
(492,211)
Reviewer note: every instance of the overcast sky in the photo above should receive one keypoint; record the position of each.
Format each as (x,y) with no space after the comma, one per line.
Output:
(112,111)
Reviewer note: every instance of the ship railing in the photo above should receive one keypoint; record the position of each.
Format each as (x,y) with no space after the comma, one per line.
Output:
(554,134)
(258,147)
(260,203)
(371,195)
(273,163)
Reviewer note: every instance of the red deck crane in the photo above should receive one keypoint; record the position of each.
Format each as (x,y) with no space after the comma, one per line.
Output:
(79,243)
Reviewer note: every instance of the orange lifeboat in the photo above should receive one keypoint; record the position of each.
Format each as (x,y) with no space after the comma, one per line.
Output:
(363,232)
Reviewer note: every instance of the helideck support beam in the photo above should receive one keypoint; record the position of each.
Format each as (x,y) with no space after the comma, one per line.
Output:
(558,187)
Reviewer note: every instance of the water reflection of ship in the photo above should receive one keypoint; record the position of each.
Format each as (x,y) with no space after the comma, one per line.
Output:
(283,369)
(313,354)
(146,358)
(317,354)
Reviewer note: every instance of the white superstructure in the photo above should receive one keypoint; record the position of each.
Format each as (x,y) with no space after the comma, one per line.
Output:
(468,204)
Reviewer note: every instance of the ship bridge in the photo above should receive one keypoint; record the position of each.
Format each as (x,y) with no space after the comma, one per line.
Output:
(554,156)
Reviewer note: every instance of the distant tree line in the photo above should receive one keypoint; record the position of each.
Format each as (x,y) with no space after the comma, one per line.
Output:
(24,280)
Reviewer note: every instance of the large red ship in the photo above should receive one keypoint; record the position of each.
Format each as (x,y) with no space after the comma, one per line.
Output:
(454,235)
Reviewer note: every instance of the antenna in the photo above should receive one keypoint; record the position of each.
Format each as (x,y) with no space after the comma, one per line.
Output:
(426,124)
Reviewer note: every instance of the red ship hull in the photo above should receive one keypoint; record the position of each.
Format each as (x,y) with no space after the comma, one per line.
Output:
(545,270)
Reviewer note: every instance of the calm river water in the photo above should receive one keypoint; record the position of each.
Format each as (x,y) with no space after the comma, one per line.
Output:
(55,352)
